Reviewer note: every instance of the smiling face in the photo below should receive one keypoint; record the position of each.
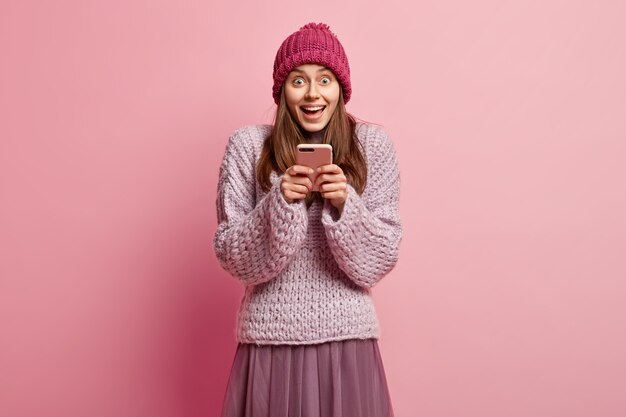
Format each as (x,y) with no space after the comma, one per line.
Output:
(312,93)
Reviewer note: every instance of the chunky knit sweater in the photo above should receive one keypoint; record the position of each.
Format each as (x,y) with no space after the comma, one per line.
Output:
(307,271)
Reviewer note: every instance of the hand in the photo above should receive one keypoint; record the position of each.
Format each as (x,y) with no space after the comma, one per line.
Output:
(333,185)
(295,183)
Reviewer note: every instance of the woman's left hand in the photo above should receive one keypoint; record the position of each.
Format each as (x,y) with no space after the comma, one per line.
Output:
(332,185)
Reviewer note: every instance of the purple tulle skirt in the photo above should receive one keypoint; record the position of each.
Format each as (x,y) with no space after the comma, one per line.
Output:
(333,379)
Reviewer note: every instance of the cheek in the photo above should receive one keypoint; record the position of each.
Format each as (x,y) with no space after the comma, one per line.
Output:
(291,101)
(289,97)
(334,103)
(334,96)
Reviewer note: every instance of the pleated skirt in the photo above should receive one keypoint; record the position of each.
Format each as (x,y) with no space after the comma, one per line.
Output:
(334,379)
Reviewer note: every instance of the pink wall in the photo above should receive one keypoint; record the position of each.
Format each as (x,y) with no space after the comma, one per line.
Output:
(509,117)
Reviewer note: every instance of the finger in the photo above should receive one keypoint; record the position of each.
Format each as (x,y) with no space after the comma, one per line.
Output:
(297,188)
(333,186)
(332,195)
(331,168)
(300,170)
(302,180)
(330,178)
(290,194)
(294,196)
(299,180)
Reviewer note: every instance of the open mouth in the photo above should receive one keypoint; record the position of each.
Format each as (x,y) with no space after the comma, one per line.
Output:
(312,111)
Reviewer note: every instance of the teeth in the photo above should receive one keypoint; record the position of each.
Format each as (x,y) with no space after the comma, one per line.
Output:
(313,108)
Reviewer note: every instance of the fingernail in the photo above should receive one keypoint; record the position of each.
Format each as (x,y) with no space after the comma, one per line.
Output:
(311,171)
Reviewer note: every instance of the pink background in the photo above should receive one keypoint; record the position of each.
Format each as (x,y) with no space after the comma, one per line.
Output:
(509,118)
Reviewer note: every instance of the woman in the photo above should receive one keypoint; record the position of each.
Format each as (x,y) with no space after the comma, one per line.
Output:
(307,328)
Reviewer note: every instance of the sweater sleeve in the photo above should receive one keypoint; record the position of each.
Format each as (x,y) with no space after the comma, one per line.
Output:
(365,238)
(254,241)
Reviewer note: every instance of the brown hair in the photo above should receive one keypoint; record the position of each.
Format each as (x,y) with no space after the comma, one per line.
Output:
(278,151)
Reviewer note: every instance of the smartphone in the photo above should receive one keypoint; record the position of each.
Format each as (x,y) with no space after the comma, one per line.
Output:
(314,155)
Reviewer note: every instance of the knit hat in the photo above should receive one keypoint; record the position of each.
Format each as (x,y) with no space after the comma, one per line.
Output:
(314,43)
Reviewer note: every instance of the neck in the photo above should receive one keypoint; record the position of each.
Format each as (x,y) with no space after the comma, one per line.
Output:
(315,137)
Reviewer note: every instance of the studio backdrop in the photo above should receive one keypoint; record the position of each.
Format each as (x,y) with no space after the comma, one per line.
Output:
(508,299)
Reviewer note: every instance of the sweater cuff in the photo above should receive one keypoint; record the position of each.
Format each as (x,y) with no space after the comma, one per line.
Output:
(284,214)
(331,218)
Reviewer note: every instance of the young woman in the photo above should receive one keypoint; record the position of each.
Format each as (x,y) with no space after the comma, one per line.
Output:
(307,328)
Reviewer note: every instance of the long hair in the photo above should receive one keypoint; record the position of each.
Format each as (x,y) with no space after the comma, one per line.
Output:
(279,147)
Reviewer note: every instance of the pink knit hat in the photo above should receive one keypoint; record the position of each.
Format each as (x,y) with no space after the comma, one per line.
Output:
(314,43)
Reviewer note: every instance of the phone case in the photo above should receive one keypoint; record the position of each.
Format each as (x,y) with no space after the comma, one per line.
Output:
(314,155)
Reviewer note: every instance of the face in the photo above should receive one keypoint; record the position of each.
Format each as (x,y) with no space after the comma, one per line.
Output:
(312,93)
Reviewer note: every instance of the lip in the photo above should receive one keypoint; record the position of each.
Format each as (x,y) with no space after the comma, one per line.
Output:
(313,118)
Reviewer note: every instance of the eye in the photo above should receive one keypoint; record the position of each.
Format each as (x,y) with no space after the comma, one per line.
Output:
(298,81)
(325,80)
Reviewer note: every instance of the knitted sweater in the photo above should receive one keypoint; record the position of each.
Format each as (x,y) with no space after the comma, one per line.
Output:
(307,271)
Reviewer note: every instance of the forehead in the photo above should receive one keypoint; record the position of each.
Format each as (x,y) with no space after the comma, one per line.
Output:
(310,69)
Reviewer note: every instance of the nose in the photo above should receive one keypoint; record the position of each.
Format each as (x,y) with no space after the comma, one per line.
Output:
(312,92)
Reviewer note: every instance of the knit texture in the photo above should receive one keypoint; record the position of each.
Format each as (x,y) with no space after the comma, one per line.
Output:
(307,272)
(314,43)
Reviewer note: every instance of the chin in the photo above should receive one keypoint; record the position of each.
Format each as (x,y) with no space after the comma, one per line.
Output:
(312,128)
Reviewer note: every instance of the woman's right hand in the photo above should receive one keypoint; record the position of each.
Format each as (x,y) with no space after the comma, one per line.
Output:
(295,183)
